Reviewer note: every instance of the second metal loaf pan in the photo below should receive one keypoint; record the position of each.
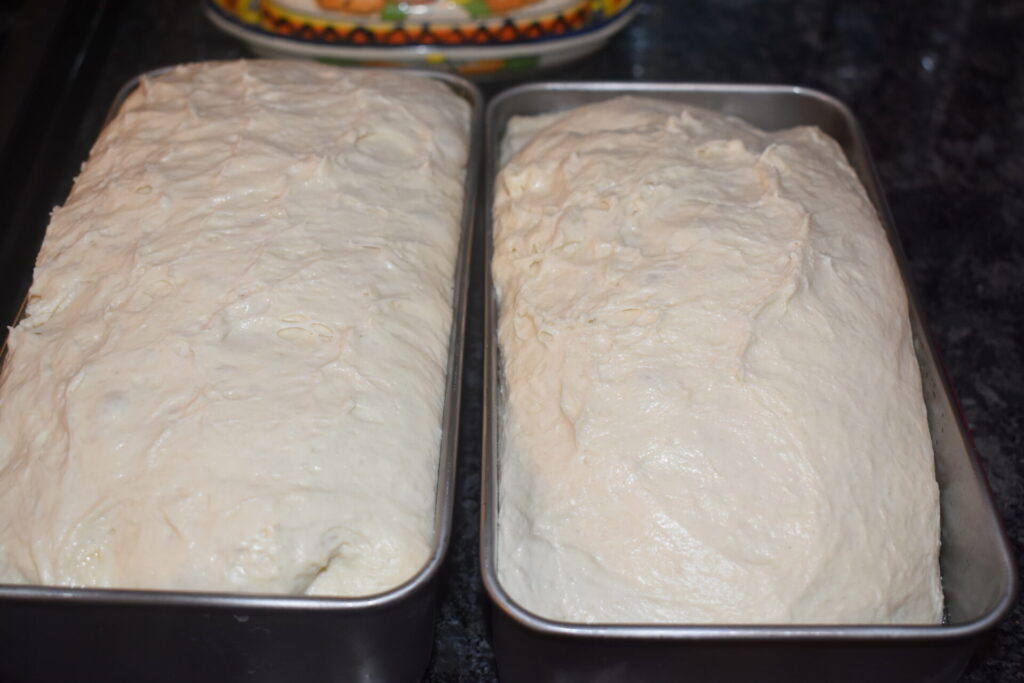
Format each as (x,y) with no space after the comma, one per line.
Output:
(977,569)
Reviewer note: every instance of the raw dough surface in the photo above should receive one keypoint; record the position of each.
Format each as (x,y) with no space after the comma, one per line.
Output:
(231,372)
(712,411)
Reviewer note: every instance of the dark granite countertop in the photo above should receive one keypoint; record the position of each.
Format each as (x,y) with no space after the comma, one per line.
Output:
(938,87)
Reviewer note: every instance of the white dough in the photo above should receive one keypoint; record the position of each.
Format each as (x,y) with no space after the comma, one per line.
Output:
(712,411)
(231,372)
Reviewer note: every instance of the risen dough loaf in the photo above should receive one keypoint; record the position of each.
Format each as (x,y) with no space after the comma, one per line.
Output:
(712,408)
(231,372)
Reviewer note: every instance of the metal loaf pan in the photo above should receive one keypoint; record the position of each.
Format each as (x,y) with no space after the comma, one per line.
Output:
(73,634)
(980,582)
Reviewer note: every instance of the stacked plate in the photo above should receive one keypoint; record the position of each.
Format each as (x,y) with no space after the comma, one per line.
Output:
(471,37)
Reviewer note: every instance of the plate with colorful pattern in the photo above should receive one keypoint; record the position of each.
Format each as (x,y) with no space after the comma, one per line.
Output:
(471,37)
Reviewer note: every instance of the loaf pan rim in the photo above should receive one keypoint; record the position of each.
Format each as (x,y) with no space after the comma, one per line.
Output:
(705,632)
(447,464)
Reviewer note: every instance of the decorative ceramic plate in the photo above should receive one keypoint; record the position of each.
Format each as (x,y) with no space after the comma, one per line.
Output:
(468,36)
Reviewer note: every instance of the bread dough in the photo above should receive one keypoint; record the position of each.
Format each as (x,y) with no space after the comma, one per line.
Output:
(712,411)
(231,372)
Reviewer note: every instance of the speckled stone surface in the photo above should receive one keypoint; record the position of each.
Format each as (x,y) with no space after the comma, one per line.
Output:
(939,88)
